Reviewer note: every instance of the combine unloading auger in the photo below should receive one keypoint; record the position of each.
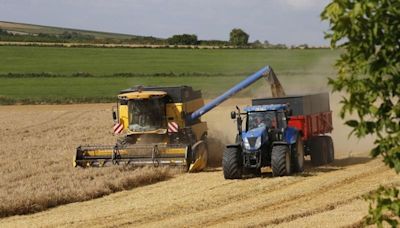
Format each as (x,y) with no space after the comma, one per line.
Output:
(162,126)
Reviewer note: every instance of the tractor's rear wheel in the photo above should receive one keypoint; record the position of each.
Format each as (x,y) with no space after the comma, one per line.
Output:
(232,163)
(280,161)
(319,151)
(298,155)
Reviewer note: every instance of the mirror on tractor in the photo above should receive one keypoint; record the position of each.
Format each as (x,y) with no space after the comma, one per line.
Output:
(233,115)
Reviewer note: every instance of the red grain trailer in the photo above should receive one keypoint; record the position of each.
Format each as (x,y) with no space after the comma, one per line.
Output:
(311,115)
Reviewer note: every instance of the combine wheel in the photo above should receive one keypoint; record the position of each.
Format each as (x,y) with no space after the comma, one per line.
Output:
(280,160)
(319,151)
(232,164)
(298,155)
(198,158)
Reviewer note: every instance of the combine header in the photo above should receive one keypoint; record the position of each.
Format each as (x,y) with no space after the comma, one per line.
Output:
(162,126)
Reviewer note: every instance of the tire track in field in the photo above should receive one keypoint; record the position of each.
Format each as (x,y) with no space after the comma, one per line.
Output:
(61,121)
(167,214)
(271,206)
(45,122)
(325,208)
(131,207)
(318,210)
(212,205)
(298,198)
(303,200)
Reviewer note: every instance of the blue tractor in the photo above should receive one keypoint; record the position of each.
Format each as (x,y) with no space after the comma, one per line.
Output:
(267,140)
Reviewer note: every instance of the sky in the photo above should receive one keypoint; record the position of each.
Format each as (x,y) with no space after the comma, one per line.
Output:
(278,21)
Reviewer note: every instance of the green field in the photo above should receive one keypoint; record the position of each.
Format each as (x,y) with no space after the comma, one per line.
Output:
(213,71)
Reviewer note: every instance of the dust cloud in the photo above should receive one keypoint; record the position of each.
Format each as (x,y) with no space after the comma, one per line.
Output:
(222,129)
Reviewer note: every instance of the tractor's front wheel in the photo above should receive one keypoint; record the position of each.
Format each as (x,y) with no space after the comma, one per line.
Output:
(280,161)
(232,163)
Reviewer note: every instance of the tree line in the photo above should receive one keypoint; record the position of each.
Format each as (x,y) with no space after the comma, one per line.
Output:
(237,38)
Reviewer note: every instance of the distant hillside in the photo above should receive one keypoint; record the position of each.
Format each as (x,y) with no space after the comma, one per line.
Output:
(30,29)
(14,33)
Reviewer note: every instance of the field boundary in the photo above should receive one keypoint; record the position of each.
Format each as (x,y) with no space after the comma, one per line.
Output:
(134,74)
(121,74)
(5,100)
(122,45)
(111,45)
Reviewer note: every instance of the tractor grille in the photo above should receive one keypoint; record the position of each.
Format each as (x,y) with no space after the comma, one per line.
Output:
(252,141)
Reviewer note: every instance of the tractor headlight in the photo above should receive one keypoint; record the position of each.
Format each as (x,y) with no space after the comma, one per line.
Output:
(246,144)
(258,143)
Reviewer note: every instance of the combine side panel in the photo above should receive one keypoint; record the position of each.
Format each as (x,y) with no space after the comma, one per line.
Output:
(193,105)
(123,114)
(174,113)
(199,129)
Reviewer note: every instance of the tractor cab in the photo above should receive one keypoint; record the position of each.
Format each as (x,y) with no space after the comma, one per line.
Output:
(263,123)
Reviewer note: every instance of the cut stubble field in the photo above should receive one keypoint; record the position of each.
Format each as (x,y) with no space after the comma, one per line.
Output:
(38,143)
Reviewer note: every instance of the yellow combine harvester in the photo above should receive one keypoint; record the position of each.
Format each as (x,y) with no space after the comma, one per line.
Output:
(162,126)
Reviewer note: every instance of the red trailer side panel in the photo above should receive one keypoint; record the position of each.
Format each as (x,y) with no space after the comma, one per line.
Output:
(312,125)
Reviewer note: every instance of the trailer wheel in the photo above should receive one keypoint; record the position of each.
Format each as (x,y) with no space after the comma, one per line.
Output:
(280,160)
(232,164)
(319,151)
(298,155)
(330,149)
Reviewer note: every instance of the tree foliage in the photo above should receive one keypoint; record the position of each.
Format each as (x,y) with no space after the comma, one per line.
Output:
(385,206)
(238,37)
(369,72)
(184,39)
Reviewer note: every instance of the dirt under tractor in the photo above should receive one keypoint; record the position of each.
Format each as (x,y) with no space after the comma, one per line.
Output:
(162,126)
(278,133)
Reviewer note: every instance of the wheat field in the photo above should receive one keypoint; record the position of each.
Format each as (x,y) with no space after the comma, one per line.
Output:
(37,145)
(38,142)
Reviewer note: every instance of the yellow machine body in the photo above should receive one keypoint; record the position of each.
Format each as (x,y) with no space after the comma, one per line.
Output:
(186,145)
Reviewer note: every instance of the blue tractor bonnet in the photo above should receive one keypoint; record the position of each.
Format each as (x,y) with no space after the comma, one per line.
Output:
(261,108)
(256,132)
